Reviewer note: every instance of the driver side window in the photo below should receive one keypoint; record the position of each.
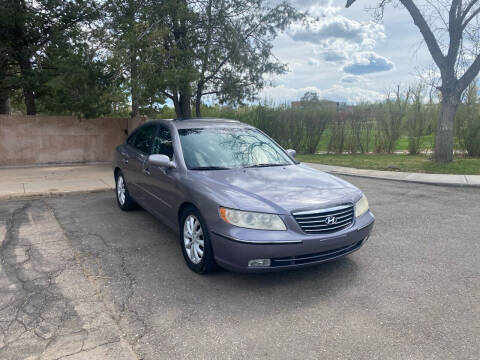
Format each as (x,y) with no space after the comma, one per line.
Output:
(142,139)
(162,143)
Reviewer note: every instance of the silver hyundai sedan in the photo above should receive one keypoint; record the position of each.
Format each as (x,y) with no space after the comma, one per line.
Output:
(236,198)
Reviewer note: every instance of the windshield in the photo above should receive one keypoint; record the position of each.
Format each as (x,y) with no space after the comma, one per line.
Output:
(226,148)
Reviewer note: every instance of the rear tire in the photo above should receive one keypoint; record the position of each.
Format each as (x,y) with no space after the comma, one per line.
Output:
(195,242)
(124,200)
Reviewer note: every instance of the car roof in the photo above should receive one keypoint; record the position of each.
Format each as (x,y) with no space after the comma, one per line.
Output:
(201,123)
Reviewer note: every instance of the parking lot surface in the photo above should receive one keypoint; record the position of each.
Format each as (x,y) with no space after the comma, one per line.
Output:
(80,279)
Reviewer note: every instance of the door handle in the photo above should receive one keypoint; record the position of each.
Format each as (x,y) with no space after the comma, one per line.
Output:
(146,171)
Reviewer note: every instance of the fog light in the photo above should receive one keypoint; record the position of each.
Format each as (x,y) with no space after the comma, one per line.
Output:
(259,263)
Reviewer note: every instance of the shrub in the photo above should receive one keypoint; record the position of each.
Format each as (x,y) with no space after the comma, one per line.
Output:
(360,128)
(337,133)
(390,121)
(467,122)
(417,121)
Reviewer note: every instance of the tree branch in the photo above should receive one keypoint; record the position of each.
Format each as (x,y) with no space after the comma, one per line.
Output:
(427,33)
(470,18)
(167,94)
(468,8)
(454,30)
(469,75)
(210,93)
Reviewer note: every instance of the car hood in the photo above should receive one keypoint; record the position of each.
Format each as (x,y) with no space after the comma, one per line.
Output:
(279,189)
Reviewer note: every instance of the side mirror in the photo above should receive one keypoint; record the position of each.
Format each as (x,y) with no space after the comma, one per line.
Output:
(161,160)
(292,153)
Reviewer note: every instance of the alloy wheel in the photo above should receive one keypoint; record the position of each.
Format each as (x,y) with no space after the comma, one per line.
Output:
(121,190)
(193,239)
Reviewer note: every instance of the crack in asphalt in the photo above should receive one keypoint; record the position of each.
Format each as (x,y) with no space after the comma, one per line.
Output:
(75,238)
(43,313)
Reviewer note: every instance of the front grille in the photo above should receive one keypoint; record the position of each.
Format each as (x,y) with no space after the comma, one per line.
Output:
(326,220)
(317,257)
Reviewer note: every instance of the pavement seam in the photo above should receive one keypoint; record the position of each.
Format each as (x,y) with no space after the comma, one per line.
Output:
(105,183)
(92,278)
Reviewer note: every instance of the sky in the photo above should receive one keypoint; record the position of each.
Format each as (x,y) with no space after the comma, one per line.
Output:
(345,55)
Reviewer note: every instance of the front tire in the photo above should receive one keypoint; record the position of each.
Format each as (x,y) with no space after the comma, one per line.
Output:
(195,242)
(124,200)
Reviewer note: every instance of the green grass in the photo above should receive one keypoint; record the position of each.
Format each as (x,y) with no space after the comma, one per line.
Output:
(401,145)
(409,163)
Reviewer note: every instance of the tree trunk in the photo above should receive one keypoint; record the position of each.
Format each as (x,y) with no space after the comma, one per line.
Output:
(28,93)
(176,105)
(185,106)
(198,101)
(134,82)
(444,138)
(4,104)
(30,101)
(182,106)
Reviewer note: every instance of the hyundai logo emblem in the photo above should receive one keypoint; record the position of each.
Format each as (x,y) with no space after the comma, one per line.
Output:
(330,220)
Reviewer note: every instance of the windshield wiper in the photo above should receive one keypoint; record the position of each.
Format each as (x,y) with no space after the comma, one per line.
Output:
(210,168)
(264,165)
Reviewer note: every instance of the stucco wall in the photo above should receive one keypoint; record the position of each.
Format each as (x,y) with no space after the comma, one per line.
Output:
(28,140)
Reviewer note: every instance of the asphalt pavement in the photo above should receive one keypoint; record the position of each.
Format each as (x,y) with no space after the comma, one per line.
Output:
(79,279)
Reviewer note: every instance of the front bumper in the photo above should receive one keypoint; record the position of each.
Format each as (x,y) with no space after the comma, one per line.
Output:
(291,248)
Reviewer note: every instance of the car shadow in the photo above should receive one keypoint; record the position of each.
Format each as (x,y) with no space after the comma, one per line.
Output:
(325,278)
(137,245)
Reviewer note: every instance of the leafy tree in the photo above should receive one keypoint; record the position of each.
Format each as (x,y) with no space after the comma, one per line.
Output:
(458,59)
(29,27)
(468,122)
(310,97)
(128,33)
(81,84)
(219,48)
(175,60)
(234,47)
(5,86)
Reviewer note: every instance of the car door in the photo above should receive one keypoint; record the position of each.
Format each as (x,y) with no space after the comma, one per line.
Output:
(160,181)
(137,157)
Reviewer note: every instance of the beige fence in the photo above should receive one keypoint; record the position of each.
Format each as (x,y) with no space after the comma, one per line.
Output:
(29,140)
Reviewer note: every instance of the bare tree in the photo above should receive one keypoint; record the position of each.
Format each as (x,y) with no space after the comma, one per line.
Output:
(396,104)
(457,58)
(417,120)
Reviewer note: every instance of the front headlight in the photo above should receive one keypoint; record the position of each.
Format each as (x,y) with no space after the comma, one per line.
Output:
(252,220)
(361,207)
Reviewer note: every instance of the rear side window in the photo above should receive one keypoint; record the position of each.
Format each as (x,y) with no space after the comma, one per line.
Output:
(143,138)
(163,143)
(131,139)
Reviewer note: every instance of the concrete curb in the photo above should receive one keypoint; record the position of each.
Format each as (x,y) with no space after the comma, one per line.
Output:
(417,178)
(33,183)
(41,195)
(36,182)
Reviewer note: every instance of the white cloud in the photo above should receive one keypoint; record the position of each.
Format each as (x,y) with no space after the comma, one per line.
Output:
(337,92)
(350,94)
(313,62)
(346,39)
(331,25)
(338,39)
(334,55)
(367,62)
(353,79)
